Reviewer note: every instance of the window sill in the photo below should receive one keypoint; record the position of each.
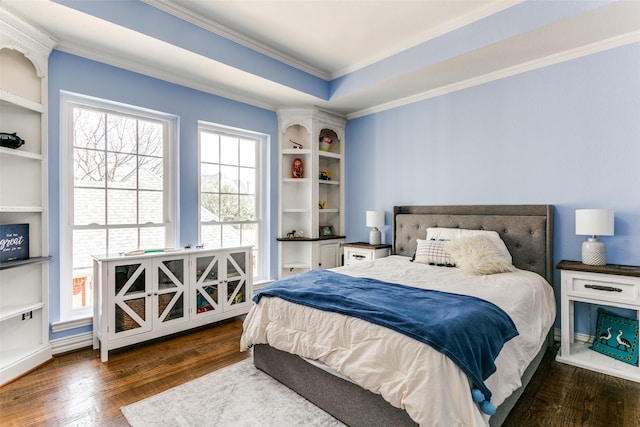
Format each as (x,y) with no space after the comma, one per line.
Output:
(67,325)
(259,284)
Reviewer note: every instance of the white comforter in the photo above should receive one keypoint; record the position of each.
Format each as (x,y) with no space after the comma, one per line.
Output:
(409,374)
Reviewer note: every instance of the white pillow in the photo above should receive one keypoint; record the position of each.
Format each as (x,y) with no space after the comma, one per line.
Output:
(432,252)
(438,233)
(478,255)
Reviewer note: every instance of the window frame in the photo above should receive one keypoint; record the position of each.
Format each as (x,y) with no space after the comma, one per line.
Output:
(262,247)
(68,101)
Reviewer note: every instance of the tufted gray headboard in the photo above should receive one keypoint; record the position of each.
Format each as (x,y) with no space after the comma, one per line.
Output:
(527,230)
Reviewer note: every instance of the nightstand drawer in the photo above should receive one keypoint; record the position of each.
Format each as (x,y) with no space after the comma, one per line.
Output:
(605,289)
(361,251)
(352,255)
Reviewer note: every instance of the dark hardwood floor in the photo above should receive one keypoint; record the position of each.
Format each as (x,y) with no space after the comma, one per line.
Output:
(76,389)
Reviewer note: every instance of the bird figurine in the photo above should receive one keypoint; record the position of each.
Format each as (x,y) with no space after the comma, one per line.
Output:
(605,336)
(622,341)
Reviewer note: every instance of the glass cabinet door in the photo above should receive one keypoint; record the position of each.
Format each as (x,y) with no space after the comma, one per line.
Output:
(170,303)
(207,285)
(129,298)
(236,279)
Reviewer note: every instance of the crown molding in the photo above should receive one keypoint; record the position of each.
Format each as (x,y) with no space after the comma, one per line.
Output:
(432,33)
(568,55)
(158,73)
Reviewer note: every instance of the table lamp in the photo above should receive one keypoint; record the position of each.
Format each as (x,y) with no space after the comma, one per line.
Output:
(375,219)
(594,222)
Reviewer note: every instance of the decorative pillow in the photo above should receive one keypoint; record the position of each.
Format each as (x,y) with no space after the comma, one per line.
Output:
(616,337)
(478,255)
(439,233)
(432,252)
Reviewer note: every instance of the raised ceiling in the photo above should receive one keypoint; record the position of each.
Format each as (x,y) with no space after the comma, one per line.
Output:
(353,57)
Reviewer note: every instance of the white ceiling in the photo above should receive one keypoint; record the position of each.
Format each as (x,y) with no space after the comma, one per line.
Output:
(333,38)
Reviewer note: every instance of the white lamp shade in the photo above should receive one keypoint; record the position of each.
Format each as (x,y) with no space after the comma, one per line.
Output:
(375,218)
(594,222)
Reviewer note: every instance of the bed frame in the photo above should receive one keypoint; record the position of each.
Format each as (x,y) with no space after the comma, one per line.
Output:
(527,231)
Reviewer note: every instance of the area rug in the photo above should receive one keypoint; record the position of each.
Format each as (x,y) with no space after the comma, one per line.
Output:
(238,395)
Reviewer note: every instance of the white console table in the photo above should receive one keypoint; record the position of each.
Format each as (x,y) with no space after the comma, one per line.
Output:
(150,295)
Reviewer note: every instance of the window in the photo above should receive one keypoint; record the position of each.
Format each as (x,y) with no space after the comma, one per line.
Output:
(231,191)
(117,189)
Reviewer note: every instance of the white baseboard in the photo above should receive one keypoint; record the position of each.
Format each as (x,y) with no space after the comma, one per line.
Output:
(74,342)
(583,338)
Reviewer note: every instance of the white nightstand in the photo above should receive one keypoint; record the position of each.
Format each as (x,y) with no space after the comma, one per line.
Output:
(608,285)
(361,251)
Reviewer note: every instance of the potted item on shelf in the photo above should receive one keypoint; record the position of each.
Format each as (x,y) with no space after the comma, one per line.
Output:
(325,143)
(296,170)
(322,204)
(14,242)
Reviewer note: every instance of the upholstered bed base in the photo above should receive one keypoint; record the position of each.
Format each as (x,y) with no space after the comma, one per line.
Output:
(347,401)
(527,231)
(343,399)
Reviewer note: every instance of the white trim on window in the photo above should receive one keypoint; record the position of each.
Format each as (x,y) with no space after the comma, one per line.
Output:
(68,101)
(261,191)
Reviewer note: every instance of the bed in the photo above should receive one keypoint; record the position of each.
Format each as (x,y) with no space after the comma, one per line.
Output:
(344,388)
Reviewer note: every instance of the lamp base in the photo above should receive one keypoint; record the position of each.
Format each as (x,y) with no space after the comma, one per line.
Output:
(594,252)
(374,237)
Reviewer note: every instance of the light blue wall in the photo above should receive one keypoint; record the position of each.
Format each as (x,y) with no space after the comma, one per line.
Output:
(567,135)
(72,73)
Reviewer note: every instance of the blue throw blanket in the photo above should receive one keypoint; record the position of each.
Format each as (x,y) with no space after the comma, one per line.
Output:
(469,330)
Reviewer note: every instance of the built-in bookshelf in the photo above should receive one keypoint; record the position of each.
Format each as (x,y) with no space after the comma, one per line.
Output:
(311,201)
(24,283)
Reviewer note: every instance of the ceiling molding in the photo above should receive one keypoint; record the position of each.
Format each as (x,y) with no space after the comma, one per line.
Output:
(506,46)
(212,26)
(568,55)
(432,33)
(593,48)
(157,73)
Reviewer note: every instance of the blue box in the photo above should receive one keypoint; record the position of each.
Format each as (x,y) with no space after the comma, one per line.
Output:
(14,242)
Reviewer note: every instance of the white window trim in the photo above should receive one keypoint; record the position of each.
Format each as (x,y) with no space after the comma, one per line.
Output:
(67,101)
(262,199)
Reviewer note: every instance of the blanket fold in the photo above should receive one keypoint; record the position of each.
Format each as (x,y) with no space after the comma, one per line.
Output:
(468,330)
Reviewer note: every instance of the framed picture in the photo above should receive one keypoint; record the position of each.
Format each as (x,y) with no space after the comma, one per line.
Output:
(326,230)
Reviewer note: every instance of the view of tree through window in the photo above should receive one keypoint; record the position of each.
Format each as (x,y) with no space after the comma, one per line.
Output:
(118,189)
(229,214)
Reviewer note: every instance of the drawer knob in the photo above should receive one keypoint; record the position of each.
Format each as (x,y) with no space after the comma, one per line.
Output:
(603,288)
(359,256)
